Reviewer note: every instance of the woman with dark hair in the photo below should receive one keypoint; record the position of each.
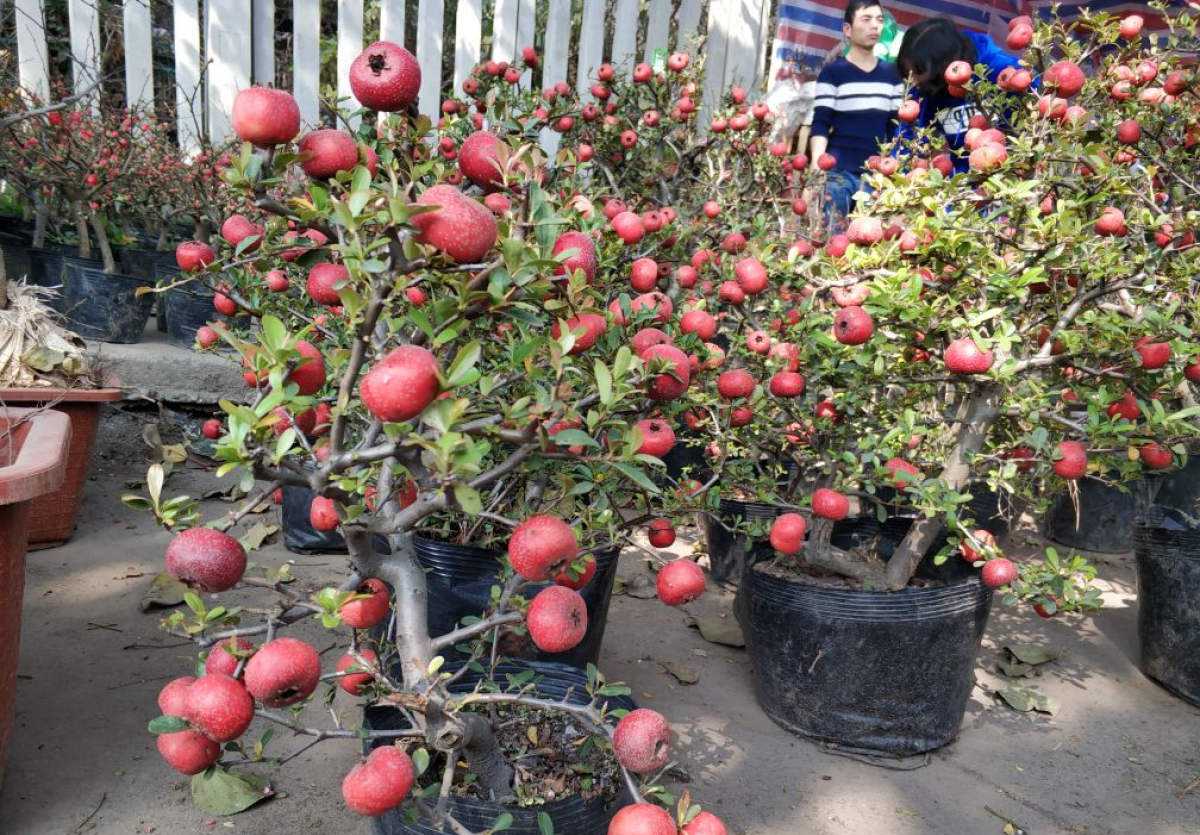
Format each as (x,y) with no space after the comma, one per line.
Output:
(927,49)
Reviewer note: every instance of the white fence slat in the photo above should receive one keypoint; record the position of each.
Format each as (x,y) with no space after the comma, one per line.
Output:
(391,21)
(430,15)
(349,46)
(686,24)
(742,33)
(526,15)
(658,28)
(306,59)
(504,30)
(468,35)
(715,58)
(591,44)
(84,21)
(625,27)
(189,96)
(229,47)
(764,41)
(33,59)
(557,47)
(139,65)
(264,41)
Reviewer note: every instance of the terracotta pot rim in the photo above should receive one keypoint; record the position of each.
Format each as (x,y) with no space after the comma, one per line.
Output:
(40,465)
(36,394)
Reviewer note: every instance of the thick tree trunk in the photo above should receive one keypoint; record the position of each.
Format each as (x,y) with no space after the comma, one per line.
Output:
(819,552)
(41,219)
(81,226)
(979,414)
(106,253)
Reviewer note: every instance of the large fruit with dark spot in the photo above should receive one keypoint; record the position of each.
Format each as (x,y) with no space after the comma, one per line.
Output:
(642,741)
(462,228)
(379,784)
(557,619)
(540,546)
(283,671)
(385,77)
(206,559)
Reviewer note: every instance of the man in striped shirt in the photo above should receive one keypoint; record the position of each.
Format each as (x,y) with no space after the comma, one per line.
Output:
(855,108)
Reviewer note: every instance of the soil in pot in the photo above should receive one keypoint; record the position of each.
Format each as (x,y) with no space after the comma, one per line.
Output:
(1167,548)
(460,579)
(1104,522)
(578,803)
(105,306)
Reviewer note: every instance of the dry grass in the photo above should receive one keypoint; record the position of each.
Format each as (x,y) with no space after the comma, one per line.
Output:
(36,350)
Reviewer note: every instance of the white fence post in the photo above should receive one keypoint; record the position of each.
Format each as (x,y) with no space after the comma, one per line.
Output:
(33,59)
(139,57)
(504,30)
(468,35)
(391,21)
(264,41)
(189,96)
(625,26)
(84,21)
(657,28)
(349,45)
(687,23)
(306,59)
(554,60)
(526,15)
(429,55)
(591,44)
(229,45)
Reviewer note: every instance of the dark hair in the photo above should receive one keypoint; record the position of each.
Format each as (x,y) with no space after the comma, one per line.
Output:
(928,48)
(856,6)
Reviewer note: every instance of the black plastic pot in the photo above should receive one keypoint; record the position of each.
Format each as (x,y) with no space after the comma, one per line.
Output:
(187,309)
(571,816)
(105,306)
(1168,579)
(46,269)
(460,579)
(137,262)
(1181,489)
(300,537)
(730,552)
(884,672)
(165,271)
(1106,517)
(685,455)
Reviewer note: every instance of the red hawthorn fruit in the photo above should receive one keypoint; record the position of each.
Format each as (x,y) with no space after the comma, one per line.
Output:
(735,383)
(699,322)
(1111,223)
(237,228)
(705,823)
(902,472)
(674,383)
(224,305)
(963,356)
(322,514)
(576,580)
(661,533)
(379,784)
(354,682)
(221,661)
(1155,456)
(852,326)
(759,342)
(172,699)
(830,504)
(219,707)
(540,546)
(787,384)
(985,539)
(188,752)
(584,258)
(1192,370)
(283,671)
(265,117)
(593,326)
(642,819)
(865,231)
(1127,407)
(836,246)
(643,274)
(276,281)
(464,229)
(657,437)
(998,572)
(1153,355)
(479,159)
(751,275)
(309,374)
(364,613)
(741,416)
(787,533)
(193,256)
(958,73)
(1023,456)
(826,410)
(642,740)
(206,559)
(211,429)
(386,77)
(852,296)
(680,581)
(1065,78)
(629,227)
(825,162)
(323,153)
(557,619)
(1019,37)
(401,385)
(1072,460)
(731,292)
(1129,132)
(909,110)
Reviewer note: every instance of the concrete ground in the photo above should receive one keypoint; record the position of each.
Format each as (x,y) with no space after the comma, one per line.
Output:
(1120,756)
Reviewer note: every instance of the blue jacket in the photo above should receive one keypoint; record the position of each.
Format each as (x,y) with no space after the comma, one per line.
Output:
(951,113)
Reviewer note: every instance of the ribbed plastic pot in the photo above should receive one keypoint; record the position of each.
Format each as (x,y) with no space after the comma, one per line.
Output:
(52,516)
(1106,517)
(1168,581)
(33,456)
(188,308)
(459,579)
(571,816)
(105,306)
(47,268)
(730,552)
(884,672)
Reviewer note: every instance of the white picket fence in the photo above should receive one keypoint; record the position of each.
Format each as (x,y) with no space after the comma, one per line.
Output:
(239,46)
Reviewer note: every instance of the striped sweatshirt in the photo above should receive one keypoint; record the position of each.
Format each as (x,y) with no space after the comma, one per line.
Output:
(855,110)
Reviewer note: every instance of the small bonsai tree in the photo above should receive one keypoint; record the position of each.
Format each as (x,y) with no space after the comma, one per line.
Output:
(419,361)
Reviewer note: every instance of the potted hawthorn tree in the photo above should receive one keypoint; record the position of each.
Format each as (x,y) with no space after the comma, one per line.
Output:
(968,332)
(453,346)
(83,161)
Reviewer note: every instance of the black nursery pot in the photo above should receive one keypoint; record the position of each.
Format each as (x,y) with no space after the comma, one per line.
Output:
(1105,519)
(300,537)
(46,269)
(571,816)
(729,552)
(1168,578)
(459,579)
(105,306)
(883,672)
(187,309)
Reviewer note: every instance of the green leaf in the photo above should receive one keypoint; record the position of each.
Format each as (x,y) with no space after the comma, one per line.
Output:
(468,499)
(274,334)
(603,382)
(166,725)
(257,535)
(358,199)
(420,759)
(638,477)
(505,821)
(574,437)
(136,502)
(164,590)
(194,603)
(464,363)
(545,824)
(219,792)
